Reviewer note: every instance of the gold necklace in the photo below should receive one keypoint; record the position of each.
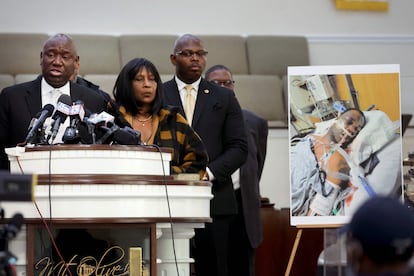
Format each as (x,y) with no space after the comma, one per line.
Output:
(144,121)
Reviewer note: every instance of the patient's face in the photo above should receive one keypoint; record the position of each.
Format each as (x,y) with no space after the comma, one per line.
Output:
(347,127)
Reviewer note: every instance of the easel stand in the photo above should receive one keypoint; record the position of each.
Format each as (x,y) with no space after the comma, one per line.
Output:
(332,258)
(293,252)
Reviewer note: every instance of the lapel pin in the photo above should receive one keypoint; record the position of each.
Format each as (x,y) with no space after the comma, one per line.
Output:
(206,91)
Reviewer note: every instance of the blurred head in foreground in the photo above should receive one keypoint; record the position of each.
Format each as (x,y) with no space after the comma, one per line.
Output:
(380,237)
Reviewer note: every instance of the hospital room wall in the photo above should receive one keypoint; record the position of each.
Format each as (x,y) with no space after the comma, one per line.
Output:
(373,91)
(382,90)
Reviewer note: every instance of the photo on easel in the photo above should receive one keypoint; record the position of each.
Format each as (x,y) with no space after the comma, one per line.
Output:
(345,140)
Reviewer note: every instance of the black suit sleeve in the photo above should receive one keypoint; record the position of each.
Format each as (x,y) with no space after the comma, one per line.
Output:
(234,142)
(262,133)
(18,105)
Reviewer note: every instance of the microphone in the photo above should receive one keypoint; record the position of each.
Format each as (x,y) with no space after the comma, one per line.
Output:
(96,122)
(127,136)
(100,118)
(121,136)
(37,124)
(62,111)
(106,138)
(90,126)
(77,113)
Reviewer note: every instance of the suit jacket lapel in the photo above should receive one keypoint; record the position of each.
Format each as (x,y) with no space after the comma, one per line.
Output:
(33,98)
(203,94)
(172,95)
(74,93)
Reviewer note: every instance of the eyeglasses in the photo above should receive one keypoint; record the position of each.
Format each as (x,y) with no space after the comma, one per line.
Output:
(189,53)
(223,83)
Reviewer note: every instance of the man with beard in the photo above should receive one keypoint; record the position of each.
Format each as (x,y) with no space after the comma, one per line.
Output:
(320,173)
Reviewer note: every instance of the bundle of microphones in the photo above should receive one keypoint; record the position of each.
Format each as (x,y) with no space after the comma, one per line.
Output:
(101,127)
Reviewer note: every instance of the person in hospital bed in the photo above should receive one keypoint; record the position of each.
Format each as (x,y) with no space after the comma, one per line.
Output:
(332,169)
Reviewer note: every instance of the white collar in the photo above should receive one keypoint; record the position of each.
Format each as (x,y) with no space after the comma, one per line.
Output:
(47,88)
(181,84)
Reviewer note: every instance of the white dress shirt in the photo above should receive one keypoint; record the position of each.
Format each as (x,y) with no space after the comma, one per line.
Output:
(50,95)
(181,88)
(235,177)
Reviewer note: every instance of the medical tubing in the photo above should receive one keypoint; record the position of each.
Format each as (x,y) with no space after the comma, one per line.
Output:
(351,164)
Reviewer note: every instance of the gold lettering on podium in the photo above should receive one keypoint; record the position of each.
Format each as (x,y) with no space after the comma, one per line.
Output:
(86,266)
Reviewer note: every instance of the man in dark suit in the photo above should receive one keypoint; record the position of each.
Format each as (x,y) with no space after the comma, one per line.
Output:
(218,119)
(246,231)
(20,103)
(84,82)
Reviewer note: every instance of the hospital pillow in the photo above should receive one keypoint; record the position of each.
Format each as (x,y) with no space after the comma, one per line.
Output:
(378,131)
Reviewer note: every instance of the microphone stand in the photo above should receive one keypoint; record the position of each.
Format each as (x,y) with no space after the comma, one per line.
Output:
(43,140)
(91,130)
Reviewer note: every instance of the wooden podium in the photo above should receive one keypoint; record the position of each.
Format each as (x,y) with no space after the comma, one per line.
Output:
(114,187)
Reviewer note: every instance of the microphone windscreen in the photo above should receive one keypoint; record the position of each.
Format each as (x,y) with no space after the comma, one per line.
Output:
(49,108)
(63,106)
(37,123)
(66,99)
